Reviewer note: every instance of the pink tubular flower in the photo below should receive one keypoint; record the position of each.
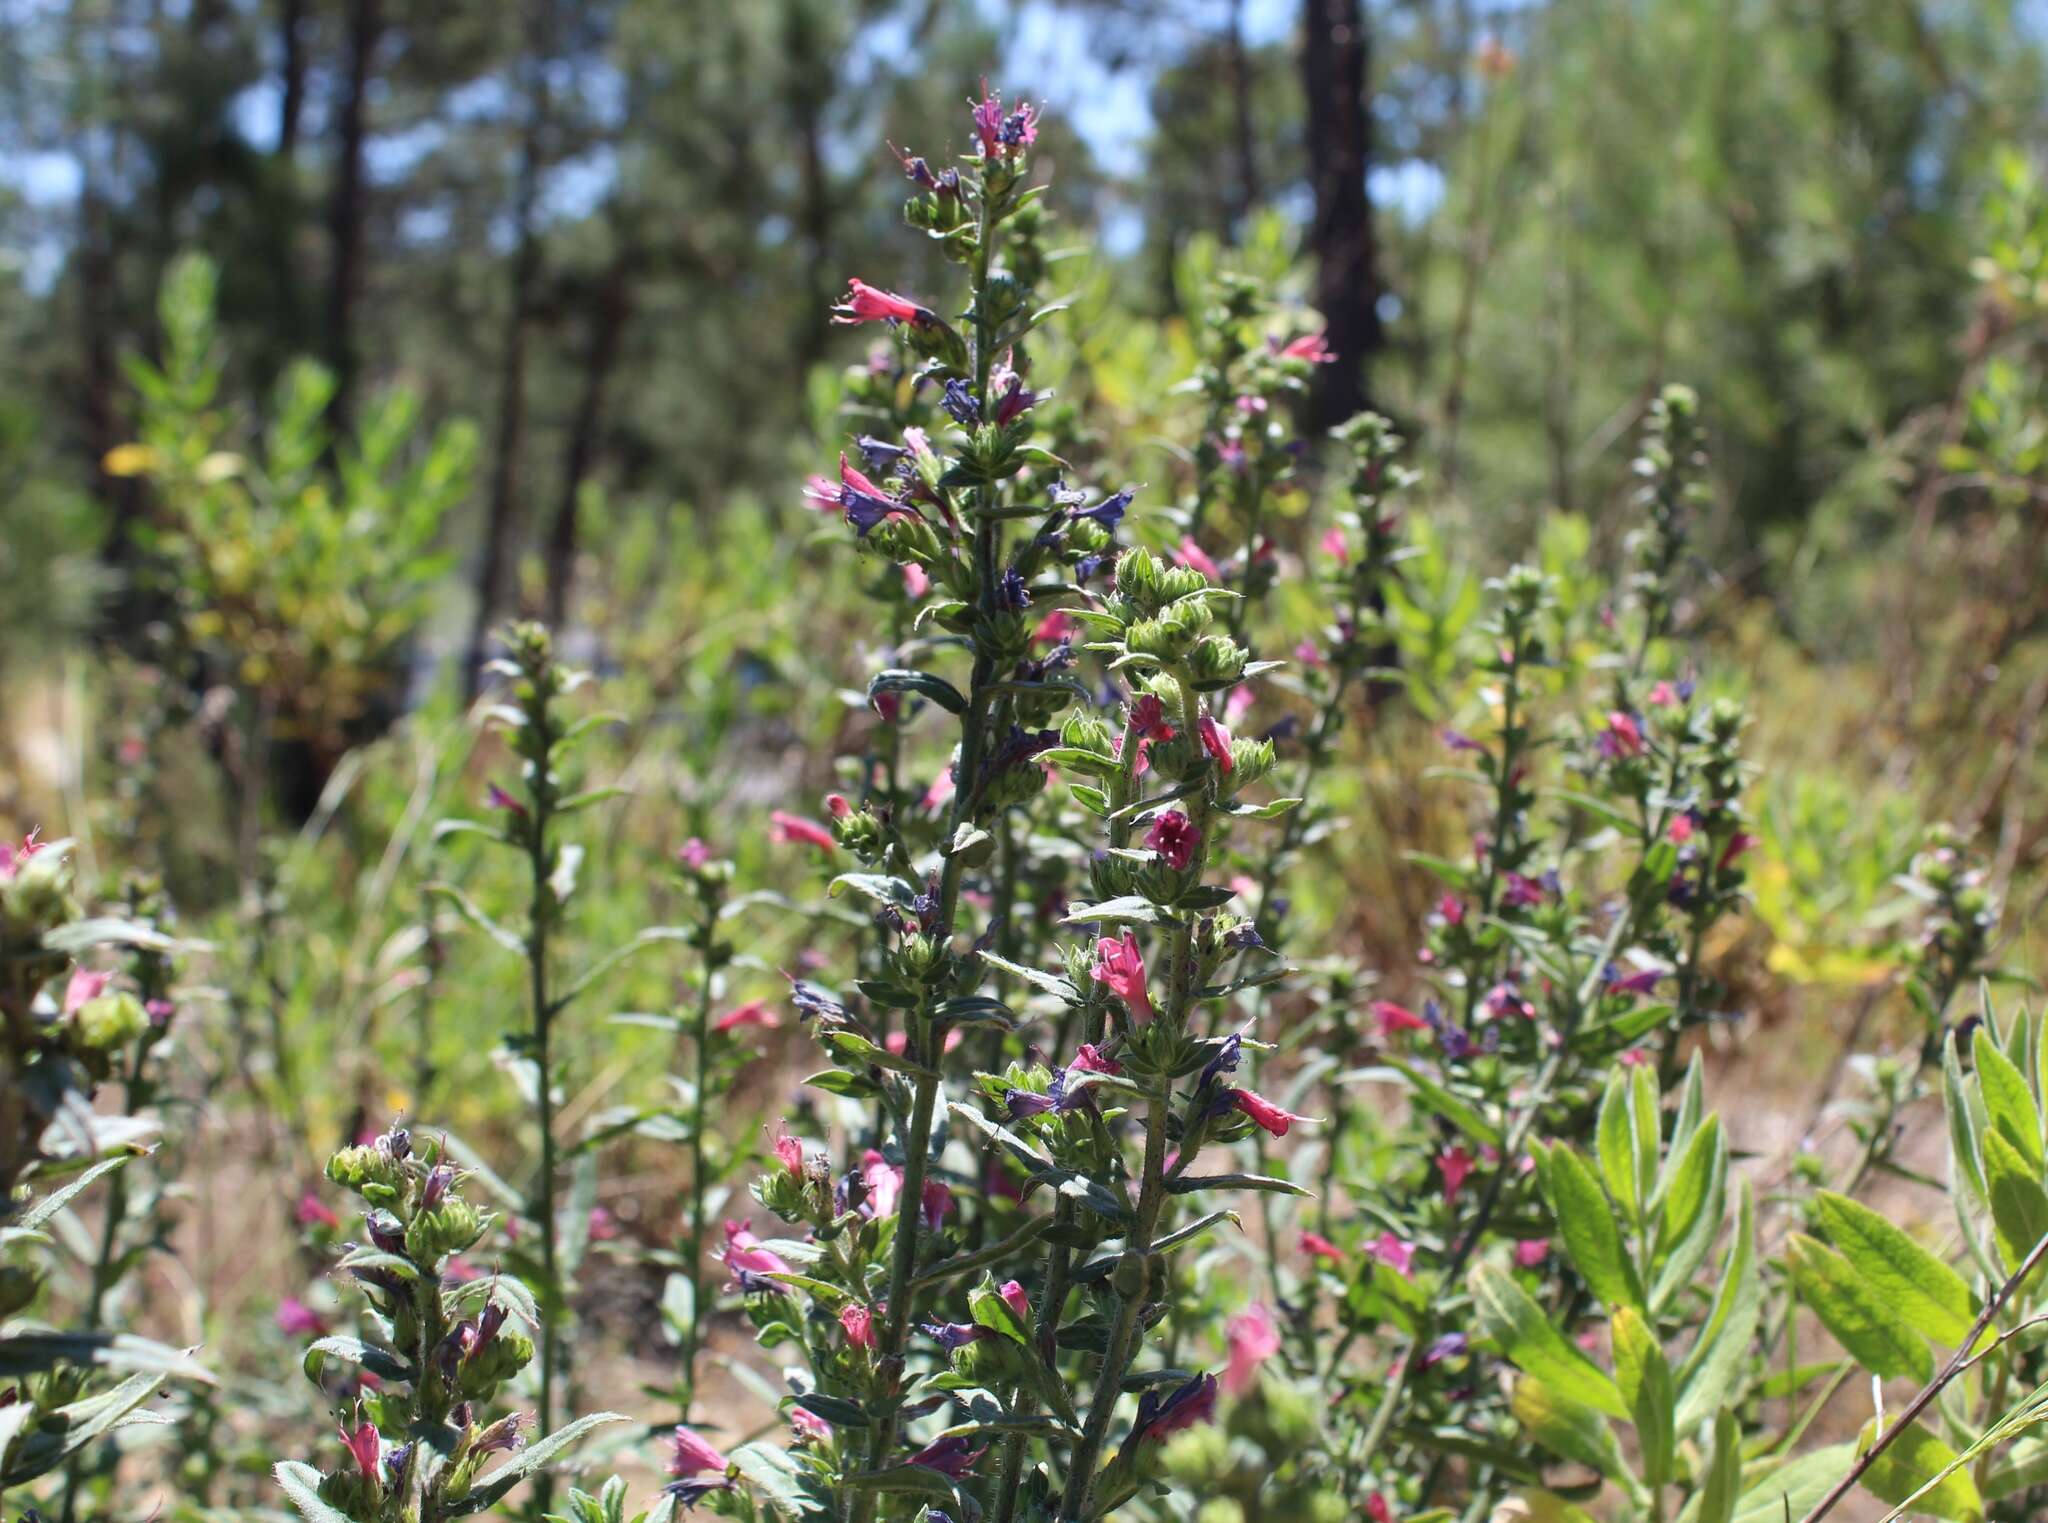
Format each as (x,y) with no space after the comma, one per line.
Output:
(1018,1302)
(694,1455)
(1393,1018)
(1118,965)
(1316,1246)
(1264,1114)
(1054,627)
(786,829)
(1681,830)
(1396,1253)
(12,856)
(1377,1510)
(916,583)
(755,1012)
(1455,1164)
(1310,347)
(1190,1403)
(1531,1251)
(1336,546)
(693,854)
(808,1425)
(1192,554)
(1452,908)
(789,1152)
(953,1456)
(1088,1060)
(312,1211)
(1662,696)
(1002,133)
(498,798)
(934,1202)
(822,493)
(884,1181)
(1253,1340)
(1174,836)
(858,1323)
(85,987)
(1216,741)
(1148,718)
(296,1319)
(744,1256)
(869,304)
(366,1446)
(1623,737)
(1738,843)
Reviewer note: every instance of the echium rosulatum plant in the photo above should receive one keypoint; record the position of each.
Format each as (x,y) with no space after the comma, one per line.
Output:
(425,1430)
(71,1026)
(529,815)
(993,1379)
(1575,933)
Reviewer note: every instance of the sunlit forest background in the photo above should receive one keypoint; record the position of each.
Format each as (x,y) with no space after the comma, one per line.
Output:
(335,332)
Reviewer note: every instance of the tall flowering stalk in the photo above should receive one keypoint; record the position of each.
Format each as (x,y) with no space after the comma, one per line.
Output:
(417,1438)
(1093,1137)
(528,819)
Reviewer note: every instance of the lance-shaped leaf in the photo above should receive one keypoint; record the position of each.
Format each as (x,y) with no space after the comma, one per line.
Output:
(1791,1490)
(1644,1376)
(1858,1316)
(923,684)
(2007,1099)
(1918,1468)
(1438,1100)
(494,1487)
(1615,1141)
(301,1482)
(1710,1367)
(2019,1207)
(1724,1473)
(1925,1291)
(1695,1199)
(1586,1223)
(1537,1346)
(1569,1429)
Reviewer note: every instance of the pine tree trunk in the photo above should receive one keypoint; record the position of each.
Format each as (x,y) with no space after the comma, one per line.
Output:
(346,210)
(1335,60)
(607,327)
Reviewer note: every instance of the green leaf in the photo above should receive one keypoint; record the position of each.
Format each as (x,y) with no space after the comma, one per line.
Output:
(1791,1490)
(1644,1376)
(1565,1427)
(1724,1473)
(1854,1312)
(1710,1367)
(492,1488)
(1615,1139)
(1127,908)
(1586,1223)
(2008,1100)
(301,1482)
(1695,1200)
(925,684)
(1923,1290)
(2019,1208)
(1907,1469)
(1646,1119)
(78,1424)
(1964,1124)
(57,1200)
(1537,1346)
(1434,1097)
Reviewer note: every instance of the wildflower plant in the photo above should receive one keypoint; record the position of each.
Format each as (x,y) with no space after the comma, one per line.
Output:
(417,1395)
(946,1362)
(71,1027)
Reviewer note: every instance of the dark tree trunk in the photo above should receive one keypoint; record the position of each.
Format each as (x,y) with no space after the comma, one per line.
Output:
(1243,136)
(1335,61)
(502,511)
(346,213)
(613,307)
(291,32)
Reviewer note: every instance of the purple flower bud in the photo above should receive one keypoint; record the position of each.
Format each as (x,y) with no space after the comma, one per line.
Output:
(953,1335)
(960,405)
(1023,1102)
(953,1456)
